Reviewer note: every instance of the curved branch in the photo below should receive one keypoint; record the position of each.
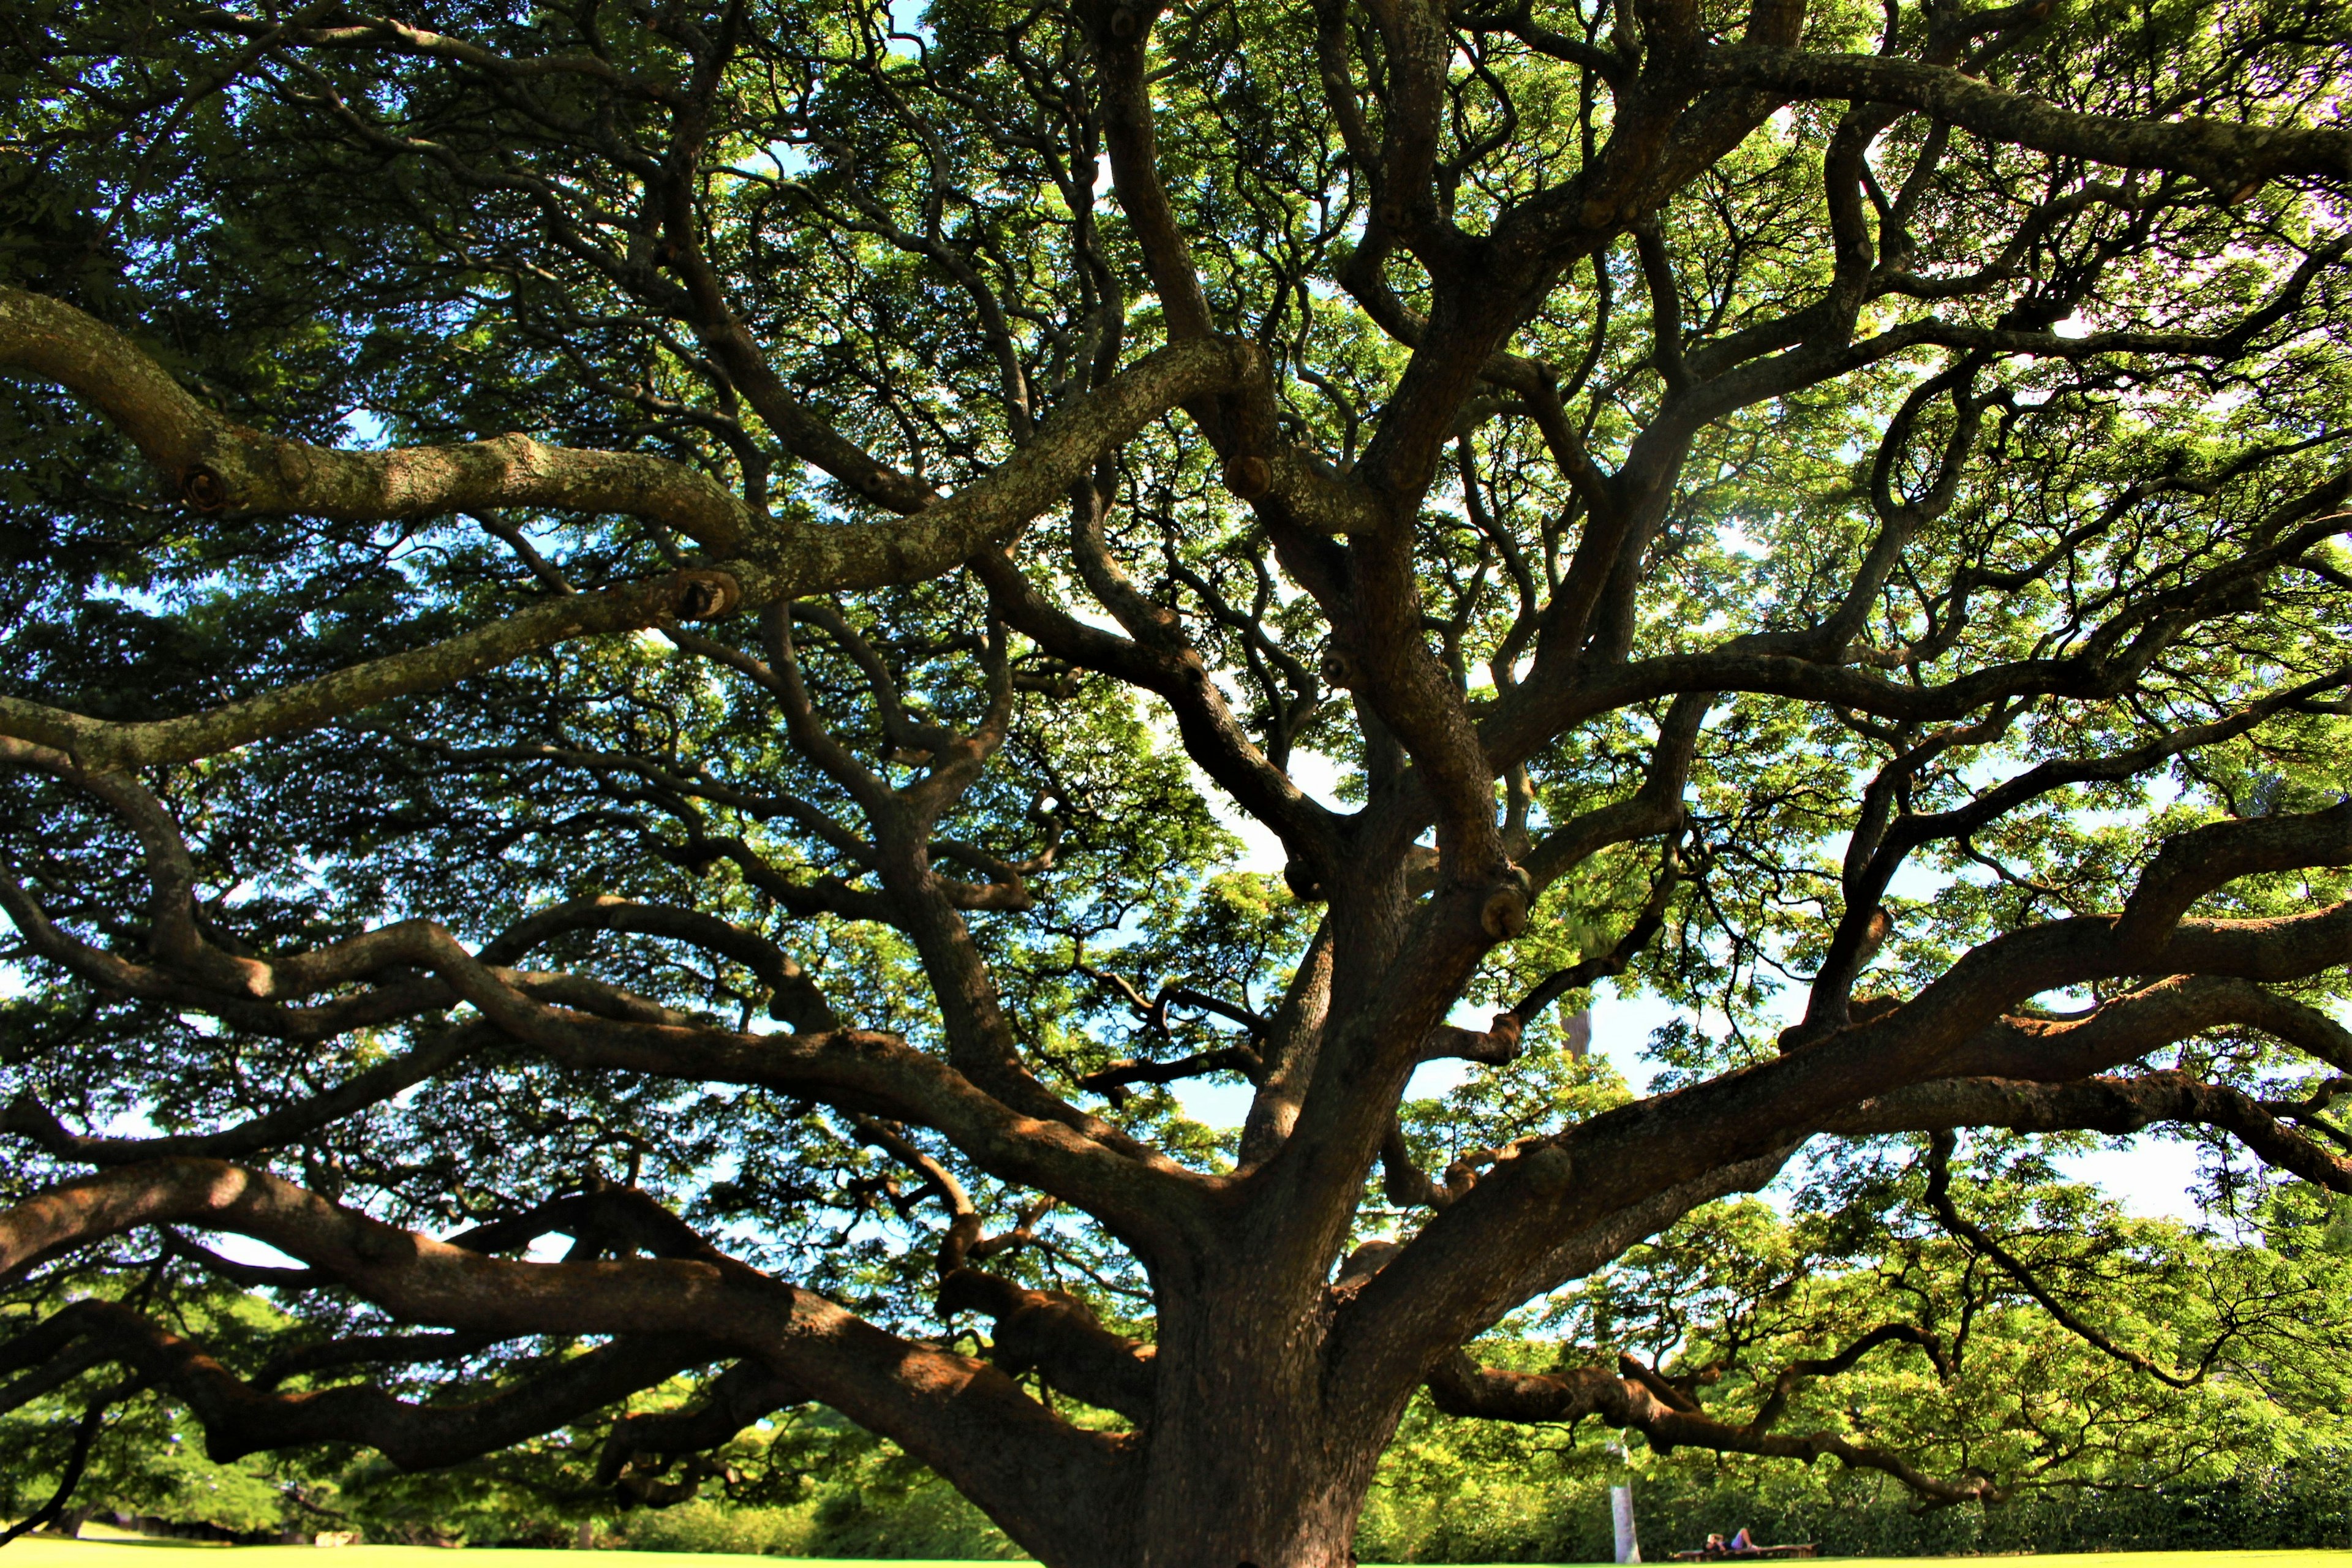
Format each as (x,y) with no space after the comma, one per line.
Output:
(737,1397)
(562,618)
(1495,1244)
(593,1025)
(2115,1106)
(793,996)
(2234,159)
(1461,1387)
(602,1216)
(1043,1480)
(2194,863)
(222,467)
(1939,1198)
(2131,1026)
(28,1117)
(240,1419)
(253,472)
(1112,1081)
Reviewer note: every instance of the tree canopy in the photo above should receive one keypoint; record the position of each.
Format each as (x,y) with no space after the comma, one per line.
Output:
(738,632)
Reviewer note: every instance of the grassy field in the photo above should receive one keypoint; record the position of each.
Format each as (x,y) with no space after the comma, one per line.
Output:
(47,1552)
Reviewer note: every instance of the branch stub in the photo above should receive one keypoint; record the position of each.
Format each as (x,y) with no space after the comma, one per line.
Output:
(202,489)
(1249,477)
(704,596)
(1504,915)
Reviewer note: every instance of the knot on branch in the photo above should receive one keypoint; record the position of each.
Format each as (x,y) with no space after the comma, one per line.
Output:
(202,489)
(1249,477)
(1498,1046)
(1861,1010)
(1504,915)
(701,595)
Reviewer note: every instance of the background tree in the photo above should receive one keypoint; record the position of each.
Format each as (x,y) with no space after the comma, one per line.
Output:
(677,522)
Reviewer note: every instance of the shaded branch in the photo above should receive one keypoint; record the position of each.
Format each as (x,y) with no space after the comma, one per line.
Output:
(2235,160)
(740,1396)
(2115,1106)
(1057,1336)
(29,1118)
(1459,1387)
(240,1419)
(966,1419)
(1939,1198)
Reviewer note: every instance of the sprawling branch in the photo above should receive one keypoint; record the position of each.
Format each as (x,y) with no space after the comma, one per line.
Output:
(1479,1256)
(860,265)
(2111,1105)
(29,1118)
(586,1024)
(965,1418)
(222,467)
(1939,1198)
(684,594)
(793,995)
(781,561)
(2234,159)
(240,1419)
(737,1398)
(1621,1399)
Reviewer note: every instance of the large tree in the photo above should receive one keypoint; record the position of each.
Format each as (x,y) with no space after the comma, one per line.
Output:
(573,531)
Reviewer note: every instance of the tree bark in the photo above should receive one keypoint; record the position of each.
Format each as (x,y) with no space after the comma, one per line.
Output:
(1246,1461)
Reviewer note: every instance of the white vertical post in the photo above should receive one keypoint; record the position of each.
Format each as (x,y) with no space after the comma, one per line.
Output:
(1621,1514)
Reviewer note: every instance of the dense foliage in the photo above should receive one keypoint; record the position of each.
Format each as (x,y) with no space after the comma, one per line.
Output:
(740,633)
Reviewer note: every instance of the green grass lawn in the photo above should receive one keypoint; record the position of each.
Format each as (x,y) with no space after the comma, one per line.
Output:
(48,1552)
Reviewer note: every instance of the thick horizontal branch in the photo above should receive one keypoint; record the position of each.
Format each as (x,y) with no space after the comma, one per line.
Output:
(2234,159)
(2194,863)
(2052,1050)
(221,466)
(966,1419)
(2115,1106)
(240,1419)
(1622,1400)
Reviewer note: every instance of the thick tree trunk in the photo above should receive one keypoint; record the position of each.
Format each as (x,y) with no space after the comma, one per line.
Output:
(1244,1461)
